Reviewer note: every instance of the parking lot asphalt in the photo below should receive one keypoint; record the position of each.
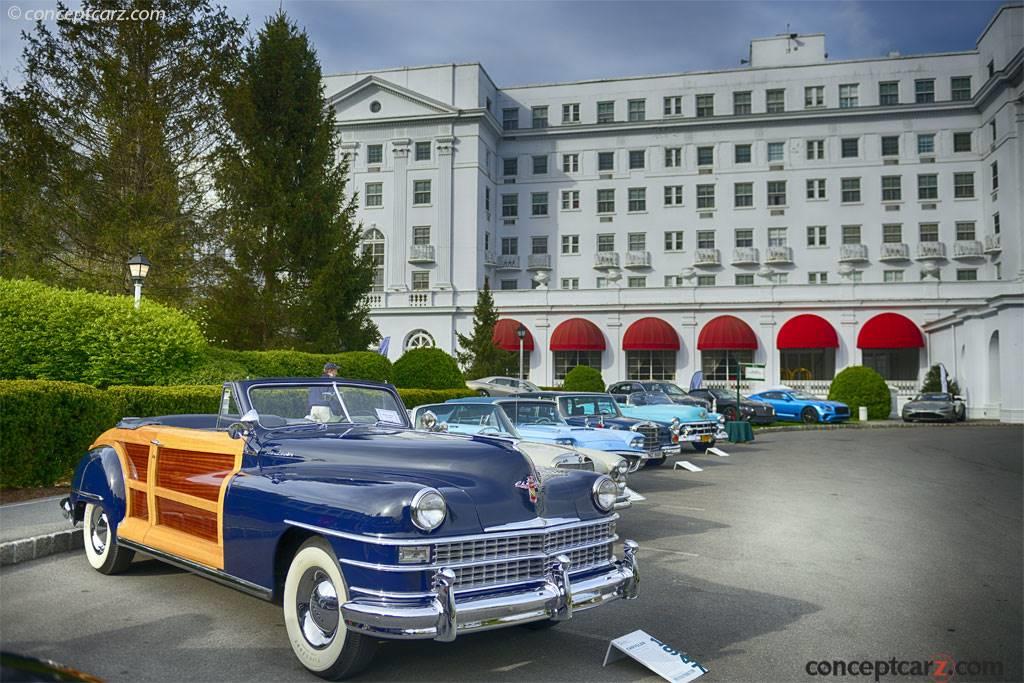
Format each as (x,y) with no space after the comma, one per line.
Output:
(839,545)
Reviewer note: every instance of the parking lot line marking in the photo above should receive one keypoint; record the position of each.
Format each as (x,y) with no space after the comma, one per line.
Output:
(512,667)
(681,507)
(673,552)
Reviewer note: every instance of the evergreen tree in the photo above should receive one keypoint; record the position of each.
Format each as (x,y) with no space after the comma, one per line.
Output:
(480,357)
(933,381)
(105,147)
(295,275)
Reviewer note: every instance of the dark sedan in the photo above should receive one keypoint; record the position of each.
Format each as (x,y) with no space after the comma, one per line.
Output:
(620,390)
(935,407)
(755,412)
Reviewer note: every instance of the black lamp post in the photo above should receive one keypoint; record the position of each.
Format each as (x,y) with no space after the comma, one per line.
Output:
(138,268)
(521,333)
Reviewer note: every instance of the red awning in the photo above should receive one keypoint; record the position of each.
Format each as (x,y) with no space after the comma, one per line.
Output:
(650,334)
(807,332)
(577,334)
(890,331)
(506,336)
(726,333)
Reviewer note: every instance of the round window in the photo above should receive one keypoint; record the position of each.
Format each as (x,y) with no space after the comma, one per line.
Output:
(375,106)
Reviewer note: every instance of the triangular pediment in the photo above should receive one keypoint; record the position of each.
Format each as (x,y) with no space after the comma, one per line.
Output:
(355,102)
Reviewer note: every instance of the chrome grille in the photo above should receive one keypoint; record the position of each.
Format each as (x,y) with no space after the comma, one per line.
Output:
(700,427)
(498,572)
(650,434)
(557,541)
(488,549)
(842,410)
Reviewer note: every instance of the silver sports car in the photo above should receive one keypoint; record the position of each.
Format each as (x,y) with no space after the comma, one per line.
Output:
(935,406)
(501,386)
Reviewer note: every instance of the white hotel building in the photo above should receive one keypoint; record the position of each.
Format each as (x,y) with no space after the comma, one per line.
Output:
(798,212)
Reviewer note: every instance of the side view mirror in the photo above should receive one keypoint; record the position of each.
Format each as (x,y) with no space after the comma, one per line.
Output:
(246,426)
(958,398)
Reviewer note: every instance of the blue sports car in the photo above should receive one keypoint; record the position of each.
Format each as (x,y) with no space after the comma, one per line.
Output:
(799,406)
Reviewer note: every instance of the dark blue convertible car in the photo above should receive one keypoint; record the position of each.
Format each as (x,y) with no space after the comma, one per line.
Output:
(318,493)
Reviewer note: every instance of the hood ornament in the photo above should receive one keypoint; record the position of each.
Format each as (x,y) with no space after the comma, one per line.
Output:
(529,484)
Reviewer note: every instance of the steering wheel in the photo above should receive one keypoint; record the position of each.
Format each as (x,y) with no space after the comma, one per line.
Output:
(489,430)
(544,421)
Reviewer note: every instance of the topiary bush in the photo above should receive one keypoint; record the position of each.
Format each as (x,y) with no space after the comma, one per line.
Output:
(583,378)
(428,369)
(860,386)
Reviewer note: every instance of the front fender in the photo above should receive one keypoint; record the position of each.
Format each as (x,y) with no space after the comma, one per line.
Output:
(98,478)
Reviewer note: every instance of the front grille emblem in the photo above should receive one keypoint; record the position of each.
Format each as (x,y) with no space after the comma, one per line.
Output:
(529,484)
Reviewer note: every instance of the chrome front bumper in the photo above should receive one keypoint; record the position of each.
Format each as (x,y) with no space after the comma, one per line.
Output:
(447,615)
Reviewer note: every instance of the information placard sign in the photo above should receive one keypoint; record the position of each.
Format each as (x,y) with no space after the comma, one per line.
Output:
(664,660)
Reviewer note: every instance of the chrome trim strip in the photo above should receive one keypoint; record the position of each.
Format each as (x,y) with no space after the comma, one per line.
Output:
(535,523)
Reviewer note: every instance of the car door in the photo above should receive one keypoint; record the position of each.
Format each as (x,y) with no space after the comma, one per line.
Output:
(620,391)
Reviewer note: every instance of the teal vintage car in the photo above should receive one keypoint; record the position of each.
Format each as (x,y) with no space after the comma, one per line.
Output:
(694,425)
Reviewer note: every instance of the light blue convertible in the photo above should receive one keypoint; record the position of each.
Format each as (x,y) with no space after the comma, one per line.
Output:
(694,425)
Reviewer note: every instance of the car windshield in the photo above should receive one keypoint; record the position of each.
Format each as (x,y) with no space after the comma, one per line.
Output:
(668,388)
(477,418)
(317,403)
(532,413)
(650,398)
(932,397)
(722,394)
(803,396)
(585,406)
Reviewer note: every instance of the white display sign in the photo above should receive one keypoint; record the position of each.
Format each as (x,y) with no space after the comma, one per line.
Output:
(390,416)
(719,452)
(753,372)
(662,659)
(687,465)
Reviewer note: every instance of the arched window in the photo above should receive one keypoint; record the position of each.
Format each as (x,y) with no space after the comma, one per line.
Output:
(419,339)
(373,242)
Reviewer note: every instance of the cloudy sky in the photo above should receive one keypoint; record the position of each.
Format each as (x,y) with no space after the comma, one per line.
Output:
(524,42)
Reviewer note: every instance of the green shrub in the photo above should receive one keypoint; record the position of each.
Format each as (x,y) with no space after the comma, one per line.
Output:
(45,427)
(583,378)
(148,401)
(56,334)
(287,363)
(933,382)
(211,371)
(428,369)
(860,386)
(418,397)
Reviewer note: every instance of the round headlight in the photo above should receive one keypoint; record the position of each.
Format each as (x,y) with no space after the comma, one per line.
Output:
(605,492)
(565,441)
(429,419)
(721,419)
(622,468)
(428,509)
(637,442)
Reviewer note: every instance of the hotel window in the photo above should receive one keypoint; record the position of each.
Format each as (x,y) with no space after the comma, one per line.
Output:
(374,194)
(540,117)
(851,234)
(571,113)
(960,88)
(890,145)
(848,96)
(740,103)
(892,276)
(605,112)
(570,244)
(995,175)
(373,244)
(817,278)
(705,105)
(673,195)
(421,192)
(673,105)
(814,96)
(924,90)
(422,151)
(724,365)
(673,280)
(570,200)
(509,206)
(539,245)
(570,283)
(995,223)
(637,110)
(705,156)
(538,203)
(928,232)
(776,151)
(926,143)
(892,188)
(889,93)
(674,240)
(816,188)
(606,201)
(705,239)
(487,200)
(965,230)
(508,285)
(705,280)
(851,190)
(570,163)
(509,246)
(744,237)
(961,142)
(420,279)
(776,193)
(892,233)
(743,194)
(815,149)
(777,237)
(963,185)
(638,199)
(540,164)
(510,118)
(637,159)
(928,186)
(567,360)
(421,235)
(992,129)
(651,365)
(606,161)
(744,280)
(510,167)
(606,242)
(775,101)
(705,196)
(374,154)
(817,236)
(856,276)
(742,154)
(850,148)
(673,157)
(636,282)
(967,274)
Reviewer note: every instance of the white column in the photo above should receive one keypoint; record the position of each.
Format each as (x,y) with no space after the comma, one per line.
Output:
(766,321)
(398,251)
(848,335)
(688,340)
(443,201)
(617,370)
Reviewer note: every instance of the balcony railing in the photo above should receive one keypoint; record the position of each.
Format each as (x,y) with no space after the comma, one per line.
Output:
(745,256)
(929,250)
(968,249)
(376,300)
(508,262)
(421,299)
(853,252)
(421,253)
(817,387)
(638,259)
(606,259)
(894,251)
(539,262)
(779,255)
(489,258)
(707,257)
(993,245)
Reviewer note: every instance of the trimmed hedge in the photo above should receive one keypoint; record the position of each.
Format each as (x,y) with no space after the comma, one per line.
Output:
(149,401)
(220,365)
(57,334)
(583,378)
(861,386)
(418,397)
(428,369)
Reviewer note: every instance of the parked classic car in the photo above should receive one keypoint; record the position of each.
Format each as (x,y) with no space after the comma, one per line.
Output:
(800,406)
(620,390)
(692,424)
(724,402)
(935,406)
(318,493)
(501,386)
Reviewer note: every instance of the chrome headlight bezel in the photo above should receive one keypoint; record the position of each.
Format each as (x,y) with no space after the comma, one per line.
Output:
(428,509)
(566,441)
(604,492)
(637,442)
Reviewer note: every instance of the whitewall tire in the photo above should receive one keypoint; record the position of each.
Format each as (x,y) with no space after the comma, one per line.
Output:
(100,541)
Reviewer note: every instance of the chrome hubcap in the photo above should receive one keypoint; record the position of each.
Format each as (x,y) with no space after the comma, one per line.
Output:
(100,530)
(316,607)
